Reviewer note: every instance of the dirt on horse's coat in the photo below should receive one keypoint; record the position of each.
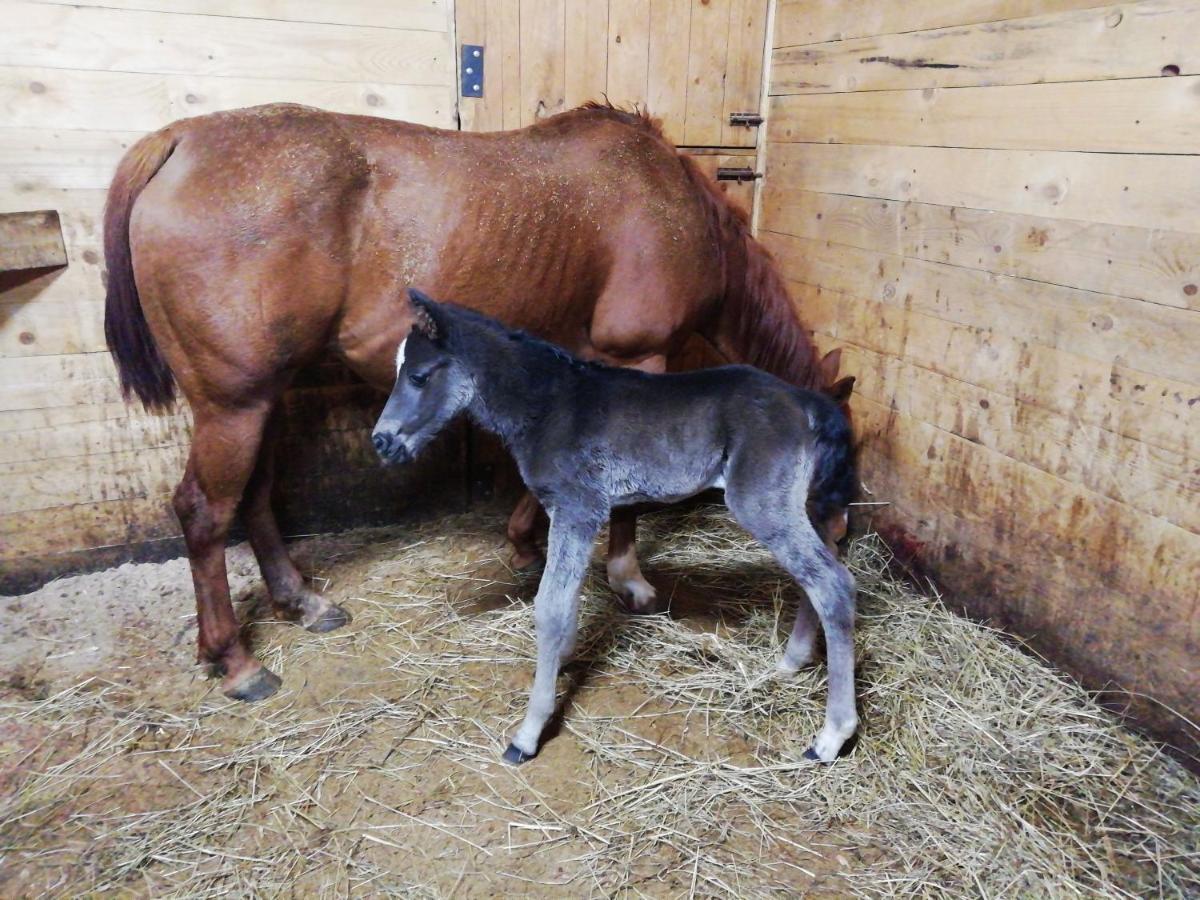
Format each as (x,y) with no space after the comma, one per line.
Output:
(241,244)
(588,438)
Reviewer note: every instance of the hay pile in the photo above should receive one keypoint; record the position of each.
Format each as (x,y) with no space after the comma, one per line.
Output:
(677,771)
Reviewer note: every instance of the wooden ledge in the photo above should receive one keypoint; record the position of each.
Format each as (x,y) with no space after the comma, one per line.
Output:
(31,240)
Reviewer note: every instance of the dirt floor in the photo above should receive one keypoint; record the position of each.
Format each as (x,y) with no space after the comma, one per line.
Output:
(676,770)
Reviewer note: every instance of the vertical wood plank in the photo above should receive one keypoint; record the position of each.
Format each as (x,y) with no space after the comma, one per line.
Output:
(666,88)
(504,32)
(586,47)
(470,23)
(706,72)
(628,51)
(743,68)
(543,76)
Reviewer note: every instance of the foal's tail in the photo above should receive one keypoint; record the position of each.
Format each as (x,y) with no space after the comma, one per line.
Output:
(141,367)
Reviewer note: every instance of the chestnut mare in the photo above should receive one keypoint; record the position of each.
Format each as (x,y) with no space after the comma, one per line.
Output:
(240,245)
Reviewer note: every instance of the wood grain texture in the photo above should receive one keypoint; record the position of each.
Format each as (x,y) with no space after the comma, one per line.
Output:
(1150,192)
(93,100)
(1127,116)
(707,56)
(31,240)
(628,51)
(743,69)
(586,51)
(171,43)
(543,66)
(1162,267)
(987,205)
(423,15)
(667,81)
(814,21)
(1137,40)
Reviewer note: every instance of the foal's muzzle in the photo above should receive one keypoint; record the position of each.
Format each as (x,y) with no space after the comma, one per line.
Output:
(390,447)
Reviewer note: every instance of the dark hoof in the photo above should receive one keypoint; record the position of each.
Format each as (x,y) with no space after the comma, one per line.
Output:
(332,619)
(528,562)
(811,754)
(259,686)
(514,755)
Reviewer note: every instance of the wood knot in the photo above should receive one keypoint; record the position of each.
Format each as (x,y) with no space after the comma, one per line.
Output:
(1170,69)
(1112,20)
(36,87)
(90,257)
(26,337)
(191,98)
(1189,290)
(374,100)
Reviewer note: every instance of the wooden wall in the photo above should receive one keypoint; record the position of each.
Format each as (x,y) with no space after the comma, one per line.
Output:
(992,206)
(689,62)
(81,475)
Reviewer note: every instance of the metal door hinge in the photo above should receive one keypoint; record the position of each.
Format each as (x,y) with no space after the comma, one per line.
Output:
(736,173)
(746,120)
(470,69)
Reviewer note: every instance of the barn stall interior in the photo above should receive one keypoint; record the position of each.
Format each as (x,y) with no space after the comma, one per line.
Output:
(990,207)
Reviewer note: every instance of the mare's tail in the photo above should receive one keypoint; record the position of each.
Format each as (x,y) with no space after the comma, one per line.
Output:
(141,367)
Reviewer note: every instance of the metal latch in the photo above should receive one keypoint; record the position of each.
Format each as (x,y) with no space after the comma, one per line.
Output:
(470,68)
(746,120)
(736,173)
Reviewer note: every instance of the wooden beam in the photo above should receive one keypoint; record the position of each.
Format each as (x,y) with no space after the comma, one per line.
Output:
(31,240)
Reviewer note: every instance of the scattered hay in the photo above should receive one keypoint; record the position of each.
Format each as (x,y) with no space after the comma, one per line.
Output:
(979,771)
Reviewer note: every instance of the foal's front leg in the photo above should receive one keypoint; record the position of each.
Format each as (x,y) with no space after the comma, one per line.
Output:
(556,617)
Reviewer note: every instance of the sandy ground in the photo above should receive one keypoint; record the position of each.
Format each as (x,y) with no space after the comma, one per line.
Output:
(376,769)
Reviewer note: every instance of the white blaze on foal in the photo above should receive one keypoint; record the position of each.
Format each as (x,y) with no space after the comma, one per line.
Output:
(400,355)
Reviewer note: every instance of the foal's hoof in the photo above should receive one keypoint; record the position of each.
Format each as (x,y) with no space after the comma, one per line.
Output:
(811,754)
(258,685)
(333,618)
(514,755)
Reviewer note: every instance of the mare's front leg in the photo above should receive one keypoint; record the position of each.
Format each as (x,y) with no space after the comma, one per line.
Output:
(556,617)
(289,595)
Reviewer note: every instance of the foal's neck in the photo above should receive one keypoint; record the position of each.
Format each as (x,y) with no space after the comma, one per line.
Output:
(516,383)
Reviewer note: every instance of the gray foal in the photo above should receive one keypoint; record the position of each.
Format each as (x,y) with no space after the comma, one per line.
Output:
(588,437)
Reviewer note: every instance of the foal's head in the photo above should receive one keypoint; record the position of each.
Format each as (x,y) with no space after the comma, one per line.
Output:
(432,386)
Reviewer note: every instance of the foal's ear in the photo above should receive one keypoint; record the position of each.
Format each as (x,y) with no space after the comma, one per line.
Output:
(840,390)
(425,314)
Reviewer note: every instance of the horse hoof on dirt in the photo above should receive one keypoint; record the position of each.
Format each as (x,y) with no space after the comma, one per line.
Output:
(332,619)
(514,755)
(258,685)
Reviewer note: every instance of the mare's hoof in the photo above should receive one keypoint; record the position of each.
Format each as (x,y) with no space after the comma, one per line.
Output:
(259,685)
(811,754)
(330,620)
(527,561)
(514,755)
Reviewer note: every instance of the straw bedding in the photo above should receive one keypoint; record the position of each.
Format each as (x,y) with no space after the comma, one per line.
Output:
(676,771)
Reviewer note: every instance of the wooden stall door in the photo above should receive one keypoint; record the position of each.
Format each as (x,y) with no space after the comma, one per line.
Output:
(691,63)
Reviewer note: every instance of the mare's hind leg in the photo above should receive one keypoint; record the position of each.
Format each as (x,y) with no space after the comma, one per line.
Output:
(289,595)
(555,615)
(224,446)
(624,574)
(786,531)
(523,532)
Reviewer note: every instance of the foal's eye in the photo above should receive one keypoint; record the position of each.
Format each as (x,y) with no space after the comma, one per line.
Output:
(418,379)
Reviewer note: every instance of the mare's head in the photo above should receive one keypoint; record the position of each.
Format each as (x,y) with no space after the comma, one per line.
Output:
(432,385)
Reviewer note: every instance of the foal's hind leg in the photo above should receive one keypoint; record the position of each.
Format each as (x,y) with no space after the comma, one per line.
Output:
(224,446)
(291,599)
(789,535)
